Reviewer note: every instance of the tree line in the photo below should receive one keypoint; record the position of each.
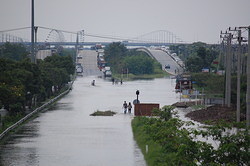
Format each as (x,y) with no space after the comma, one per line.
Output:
(23,83)
(198,56)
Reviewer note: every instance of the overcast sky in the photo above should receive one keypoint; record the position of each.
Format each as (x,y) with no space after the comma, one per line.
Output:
(191,20)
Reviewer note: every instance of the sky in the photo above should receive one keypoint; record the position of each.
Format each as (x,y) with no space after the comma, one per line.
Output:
(191,20)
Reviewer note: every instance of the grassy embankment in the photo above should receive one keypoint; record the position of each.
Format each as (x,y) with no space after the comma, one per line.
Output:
(142,138)
(158,73)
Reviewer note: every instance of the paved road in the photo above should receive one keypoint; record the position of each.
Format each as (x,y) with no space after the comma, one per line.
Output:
(89,62)
(165,59)
(67,134)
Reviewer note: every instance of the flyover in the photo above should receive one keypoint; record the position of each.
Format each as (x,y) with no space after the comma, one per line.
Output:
(165,59)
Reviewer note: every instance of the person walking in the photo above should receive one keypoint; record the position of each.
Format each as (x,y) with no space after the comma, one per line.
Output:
(93,83)
(129,108)
(125,106)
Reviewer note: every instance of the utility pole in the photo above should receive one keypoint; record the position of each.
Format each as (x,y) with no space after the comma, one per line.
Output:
(32,32)
(35,45)
(238,76)
(228,37)
(239,38)
(229,68)
(248,79)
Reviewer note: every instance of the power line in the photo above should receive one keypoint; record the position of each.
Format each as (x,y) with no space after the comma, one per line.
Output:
(134,39)
(16,29)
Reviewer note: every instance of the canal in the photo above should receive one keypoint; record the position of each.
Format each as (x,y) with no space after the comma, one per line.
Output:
(66,134)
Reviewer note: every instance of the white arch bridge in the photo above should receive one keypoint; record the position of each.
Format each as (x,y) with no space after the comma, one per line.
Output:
(44,35)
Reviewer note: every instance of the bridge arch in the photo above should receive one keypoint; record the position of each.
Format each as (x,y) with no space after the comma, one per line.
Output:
(55,36)
(159,36)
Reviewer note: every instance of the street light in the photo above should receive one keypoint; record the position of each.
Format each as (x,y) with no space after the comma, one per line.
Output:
(32,32)
(137,94)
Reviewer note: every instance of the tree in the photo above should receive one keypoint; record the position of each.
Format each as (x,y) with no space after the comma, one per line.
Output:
(21,81)
(13,51)
(61,62)
(139,64)
(197,55)
(114,55)
(194,64)
(12,91)
(55,72)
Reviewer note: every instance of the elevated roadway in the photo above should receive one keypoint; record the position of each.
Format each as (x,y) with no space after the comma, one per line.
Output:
(165,60)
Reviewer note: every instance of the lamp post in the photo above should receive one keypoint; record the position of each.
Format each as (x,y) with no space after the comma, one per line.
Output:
(137,94)
(32,32)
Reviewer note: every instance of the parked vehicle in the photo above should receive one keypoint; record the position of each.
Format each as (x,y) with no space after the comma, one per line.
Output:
(183,82)
(107,72)
(79,69)
(167,66)
(101,63)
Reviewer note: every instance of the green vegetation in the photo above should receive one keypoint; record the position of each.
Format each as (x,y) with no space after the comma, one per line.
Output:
(201,55)
(173,142)
(136,63)
(103,113)
(197,107)
(13,51)
(24,84)
(213,86)
(142,138)
(9,120)
(197,55)
(243,88)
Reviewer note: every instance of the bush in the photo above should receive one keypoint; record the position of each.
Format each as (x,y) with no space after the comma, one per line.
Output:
(174,143)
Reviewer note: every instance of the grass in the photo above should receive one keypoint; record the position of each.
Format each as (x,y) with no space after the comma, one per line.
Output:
(154,150)
(141,76)
(197,107)
(9,120)
(103,113)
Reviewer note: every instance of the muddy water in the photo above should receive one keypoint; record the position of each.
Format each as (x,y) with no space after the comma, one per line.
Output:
(66,134)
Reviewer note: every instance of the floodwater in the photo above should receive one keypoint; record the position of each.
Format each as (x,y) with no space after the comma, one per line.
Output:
(66,134)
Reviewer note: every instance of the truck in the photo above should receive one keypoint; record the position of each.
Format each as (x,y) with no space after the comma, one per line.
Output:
(107,72)
(79,69)
(183,82)
(101,63)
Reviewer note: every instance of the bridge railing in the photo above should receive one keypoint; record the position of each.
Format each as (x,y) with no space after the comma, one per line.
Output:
(146,51)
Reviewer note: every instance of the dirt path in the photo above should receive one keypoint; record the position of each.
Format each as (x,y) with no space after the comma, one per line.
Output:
(214,114)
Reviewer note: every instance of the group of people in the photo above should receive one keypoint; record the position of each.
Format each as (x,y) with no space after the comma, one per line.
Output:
(127,107)
(115,81)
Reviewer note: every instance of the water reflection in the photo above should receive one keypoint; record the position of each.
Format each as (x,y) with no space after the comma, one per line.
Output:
(67,135)
(19,149)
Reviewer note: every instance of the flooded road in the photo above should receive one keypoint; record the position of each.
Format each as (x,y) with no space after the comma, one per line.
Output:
(67,135)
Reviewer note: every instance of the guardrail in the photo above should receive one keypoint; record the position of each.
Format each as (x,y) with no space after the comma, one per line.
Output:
(146,51)
(5,132)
